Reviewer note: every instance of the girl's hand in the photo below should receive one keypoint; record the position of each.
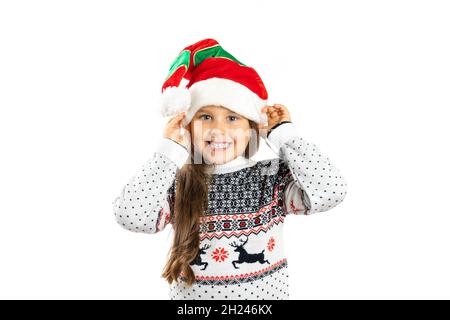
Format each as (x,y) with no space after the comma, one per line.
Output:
(175,131)
(275,114)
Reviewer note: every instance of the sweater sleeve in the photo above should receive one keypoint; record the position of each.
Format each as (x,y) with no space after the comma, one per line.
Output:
(311,183)
(145,203)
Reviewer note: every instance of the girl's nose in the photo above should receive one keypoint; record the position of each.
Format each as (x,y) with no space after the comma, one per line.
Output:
(219,127)
(219,134)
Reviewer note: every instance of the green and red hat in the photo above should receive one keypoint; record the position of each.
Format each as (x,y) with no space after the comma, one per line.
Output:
(214,77)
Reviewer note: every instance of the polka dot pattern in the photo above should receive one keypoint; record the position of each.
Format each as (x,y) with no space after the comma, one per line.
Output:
(271,287)
(314,183)
(143,205)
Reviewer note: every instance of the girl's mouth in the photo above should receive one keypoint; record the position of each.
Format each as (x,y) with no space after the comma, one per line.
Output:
(219,146)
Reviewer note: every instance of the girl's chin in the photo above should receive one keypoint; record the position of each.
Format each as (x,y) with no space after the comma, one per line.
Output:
(218,157)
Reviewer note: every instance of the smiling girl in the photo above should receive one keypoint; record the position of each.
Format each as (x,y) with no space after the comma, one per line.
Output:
(227,210)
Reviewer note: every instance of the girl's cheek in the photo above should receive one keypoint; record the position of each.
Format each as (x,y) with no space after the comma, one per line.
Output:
(199,144)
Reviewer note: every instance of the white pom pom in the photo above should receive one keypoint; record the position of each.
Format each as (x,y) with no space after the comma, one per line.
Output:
(175,100)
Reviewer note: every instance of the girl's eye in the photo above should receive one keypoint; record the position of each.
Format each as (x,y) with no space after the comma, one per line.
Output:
(207,116)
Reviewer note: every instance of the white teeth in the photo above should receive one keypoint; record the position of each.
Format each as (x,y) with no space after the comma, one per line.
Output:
(219,145)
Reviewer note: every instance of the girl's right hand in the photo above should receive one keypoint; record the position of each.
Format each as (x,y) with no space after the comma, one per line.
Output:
(172,130)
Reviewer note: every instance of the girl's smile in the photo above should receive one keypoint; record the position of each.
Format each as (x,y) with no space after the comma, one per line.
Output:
(219,146)
(219,134)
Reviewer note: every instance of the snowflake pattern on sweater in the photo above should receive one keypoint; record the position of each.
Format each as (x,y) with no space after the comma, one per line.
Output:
(241,245)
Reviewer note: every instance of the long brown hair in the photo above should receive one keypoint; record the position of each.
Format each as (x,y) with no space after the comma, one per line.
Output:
(191,200)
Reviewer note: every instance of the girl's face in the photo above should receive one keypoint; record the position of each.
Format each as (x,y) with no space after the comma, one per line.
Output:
(219,134)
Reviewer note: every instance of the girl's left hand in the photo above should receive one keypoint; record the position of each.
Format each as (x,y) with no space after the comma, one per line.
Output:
(275,114)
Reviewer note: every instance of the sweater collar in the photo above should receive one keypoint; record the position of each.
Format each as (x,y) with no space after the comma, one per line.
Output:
(237,163)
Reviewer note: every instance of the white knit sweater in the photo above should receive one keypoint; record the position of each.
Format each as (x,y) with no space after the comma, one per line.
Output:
(241,233)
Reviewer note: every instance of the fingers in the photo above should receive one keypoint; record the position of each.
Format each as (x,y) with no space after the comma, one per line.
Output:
(177,118)
(264,109)
(272,112)
(267,109)
(275,108)
(276,113)
(280,109)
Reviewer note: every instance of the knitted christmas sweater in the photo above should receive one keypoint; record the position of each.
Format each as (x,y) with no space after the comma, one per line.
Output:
(241,233)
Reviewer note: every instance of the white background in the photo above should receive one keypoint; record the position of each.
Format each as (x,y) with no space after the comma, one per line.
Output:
(366,81)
